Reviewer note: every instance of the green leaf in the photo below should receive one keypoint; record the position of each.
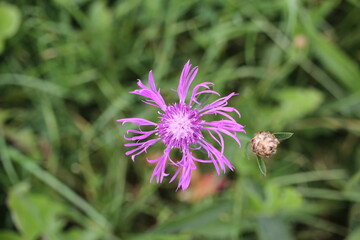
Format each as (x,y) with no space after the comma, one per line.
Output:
(281,136)
(80,234)
(273,228)
(294,103)
(34,214)
(355,2)
(25,81)
(175,236)
(69,3)
(194,220)
(354,235)
(334,59)
(9,235)
(100,17)
(261,165)
(9,20)
(60,187)
(353,219)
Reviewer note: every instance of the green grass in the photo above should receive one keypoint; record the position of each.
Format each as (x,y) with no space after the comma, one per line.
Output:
(64,80)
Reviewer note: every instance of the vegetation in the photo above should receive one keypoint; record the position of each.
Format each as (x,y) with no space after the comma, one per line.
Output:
(66,68)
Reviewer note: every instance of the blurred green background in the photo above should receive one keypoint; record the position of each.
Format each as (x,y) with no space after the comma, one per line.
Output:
(66,67)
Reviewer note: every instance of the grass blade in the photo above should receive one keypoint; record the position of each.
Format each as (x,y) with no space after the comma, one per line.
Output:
(61,188)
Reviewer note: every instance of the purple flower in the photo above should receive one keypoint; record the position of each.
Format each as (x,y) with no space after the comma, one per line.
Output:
(181,126)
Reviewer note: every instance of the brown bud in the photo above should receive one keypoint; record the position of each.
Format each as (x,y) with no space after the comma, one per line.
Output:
(264,144)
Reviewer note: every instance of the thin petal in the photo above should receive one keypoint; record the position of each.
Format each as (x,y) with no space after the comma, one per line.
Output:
(221,102)
(216,156)
(152,82)
(142,135)
(142,147)
(220,141)
(226,125)
(229,133)
(185,166)
(159,170)
(186,78)
(153,95)
(195,92)
(138,121)
(216,111)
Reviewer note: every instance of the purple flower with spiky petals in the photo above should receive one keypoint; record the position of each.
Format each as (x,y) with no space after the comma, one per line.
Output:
(181,126)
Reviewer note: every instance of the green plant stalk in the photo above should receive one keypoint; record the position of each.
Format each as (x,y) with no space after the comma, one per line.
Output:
(8,166)
(310,177)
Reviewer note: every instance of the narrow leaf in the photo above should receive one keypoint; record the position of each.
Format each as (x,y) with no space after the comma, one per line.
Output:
(283,135)
(261,165)
(29,165)
(9,235)
(10,17)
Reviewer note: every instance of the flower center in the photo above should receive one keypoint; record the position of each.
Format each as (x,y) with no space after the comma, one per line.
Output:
(180,126)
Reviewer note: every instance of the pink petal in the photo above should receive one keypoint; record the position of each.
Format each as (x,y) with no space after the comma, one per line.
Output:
(159,170)
(138,121)
(186,78)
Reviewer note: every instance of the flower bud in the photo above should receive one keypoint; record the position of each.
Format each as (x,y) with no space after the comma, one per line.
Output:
(264,144)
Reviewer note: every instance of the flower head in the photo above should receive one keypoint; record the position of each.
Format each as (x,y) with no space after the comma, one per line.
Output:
(264,144)
(181,126)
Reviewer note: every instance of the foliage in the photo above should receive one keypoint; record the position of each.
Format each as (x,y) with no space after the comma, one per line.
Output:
(65,73)
(9,22)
